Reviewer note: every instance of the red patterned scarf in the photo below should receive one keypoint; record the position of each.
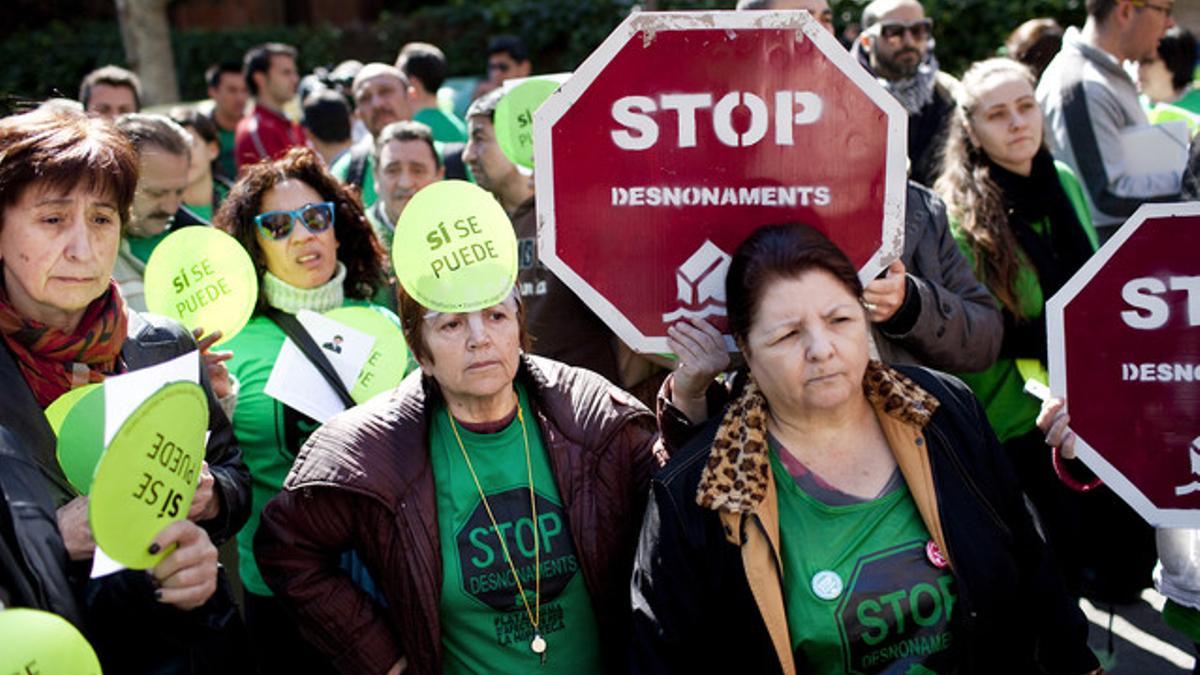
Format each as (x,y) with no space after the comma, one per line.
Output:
(54,362)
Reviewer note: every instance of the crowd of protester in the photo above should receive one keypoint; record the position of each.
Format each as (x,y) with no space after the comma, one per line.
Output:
(689,514)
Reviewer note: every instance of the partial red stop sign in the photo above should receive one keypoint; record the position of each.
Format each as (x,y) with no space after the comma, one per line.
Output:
(683,133)
(1125,351)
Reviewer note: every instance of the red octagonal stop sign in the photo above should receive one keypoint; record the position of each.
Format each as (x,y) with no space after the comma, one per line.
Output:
(683,133)
(1125,350)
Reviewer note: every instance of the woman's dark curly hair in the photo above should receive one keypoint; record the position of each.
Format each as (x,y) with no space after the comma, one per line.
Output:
(358,247)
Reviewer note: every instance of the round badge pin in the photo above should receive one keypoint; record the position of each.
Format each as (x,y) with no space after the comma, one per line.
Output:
(827,585)
(934,554)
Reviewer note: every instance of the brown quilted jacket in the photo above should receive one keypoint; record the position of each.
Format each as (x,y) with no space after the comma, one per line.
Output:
(364,482)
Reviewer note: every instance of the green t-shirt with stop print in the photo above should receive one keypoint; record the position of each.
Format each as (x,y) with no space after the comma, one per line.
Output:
(485,627)
(862,590)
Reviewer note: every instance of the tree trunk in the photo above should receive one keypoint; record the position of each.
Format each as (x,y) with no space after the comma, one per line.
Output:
(147,38)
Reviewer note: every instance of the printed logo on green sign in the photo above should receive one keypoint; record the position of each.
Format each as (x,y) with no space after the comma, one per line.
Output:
(148,475)
(895,615)
(485,572)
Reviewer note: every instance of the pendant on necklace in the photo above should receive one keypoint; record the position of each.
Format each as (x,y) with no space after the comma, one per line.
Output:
(538,645)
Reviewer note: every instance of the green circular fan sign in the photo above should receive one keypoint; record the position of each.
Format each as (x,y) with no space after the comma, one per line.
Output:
(514,119)
(41,643)
(148,475)
(454,248)
(77,417)
(386,365)
(202,277)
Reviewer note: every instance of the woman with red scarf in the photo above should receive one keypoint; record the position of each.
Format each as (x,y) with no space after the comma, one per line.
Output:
(66,185)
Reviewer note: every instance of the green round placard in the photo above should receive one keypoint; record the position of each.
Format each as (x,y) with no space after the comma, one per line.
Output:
(202,277)
(514,119)
(79,414)
(386,365)
(41,643)
(148,476)
(455,249)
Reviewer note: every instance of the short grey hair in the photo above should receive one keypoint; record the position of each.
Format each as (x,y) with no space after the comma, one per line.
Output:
(144,130)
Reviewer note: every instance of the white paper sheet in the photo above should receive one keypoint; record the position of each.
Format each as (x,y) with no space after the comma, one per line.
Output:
(1155,148)
(124,393)
(297,383)
(102,565)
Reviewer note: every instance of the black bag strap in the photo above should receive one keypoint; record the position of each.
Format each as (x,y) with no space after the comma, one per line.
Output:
(295,330)
(356,174)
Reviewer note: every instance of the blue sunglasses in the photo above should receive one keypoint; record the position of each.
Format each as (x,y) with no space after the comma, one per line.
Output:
(316,217)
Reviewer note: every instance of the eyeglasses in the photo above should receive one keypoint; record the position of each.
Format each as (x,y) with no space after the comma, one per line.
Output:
(316,217)
(894,30)
(1143,4)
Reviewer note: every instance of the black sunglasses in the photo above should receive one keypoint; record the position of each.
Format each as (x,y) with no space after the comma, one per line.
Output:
(316,217)
(894,30)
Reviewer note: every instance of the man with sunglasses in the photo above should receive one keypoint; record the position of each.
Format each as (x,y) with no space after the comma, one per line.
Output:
(1091,102)
(896,47)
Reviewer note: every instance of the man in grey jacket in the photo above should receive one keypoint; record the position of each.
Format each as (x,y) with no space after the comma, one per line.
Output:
(928,308)
(1090,101)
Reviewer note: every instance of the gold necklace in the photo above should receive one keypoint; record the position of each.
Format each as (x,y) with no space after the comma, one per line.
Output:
(538,644)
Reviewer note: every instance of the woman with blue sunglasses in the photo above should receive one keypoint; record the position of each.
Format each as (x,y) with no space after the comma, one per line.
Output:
(313,249)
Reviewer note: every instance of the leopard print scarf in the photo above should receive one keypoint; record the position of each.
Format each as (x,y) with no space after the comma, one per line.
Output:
(739,467)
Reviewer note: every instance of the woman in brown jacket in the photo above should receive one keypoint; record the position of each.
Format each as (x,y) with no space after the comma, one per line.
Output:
(419,481)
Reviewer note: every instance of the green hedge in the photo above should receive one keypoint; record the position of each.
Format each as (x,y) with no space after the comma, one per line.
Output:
(51,61)
(969,30)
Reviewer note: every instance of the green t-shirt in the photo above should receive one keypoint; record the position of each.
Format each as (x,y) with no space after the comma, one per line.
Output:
(269,433)
(142,247)
(1190,101)
(446,128)
(861,593)
(485,627)
(226,160)
(1001,388)
(205,211)
(341,171)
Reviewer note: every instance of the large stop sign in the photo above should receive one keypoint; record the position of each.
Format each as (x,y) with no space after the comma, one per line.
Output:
(1125,351)
(684,132)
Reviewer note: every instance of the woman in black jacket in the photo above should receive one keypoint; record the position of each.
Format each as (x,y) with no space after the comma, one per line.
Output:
(66,186)
(841,515)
